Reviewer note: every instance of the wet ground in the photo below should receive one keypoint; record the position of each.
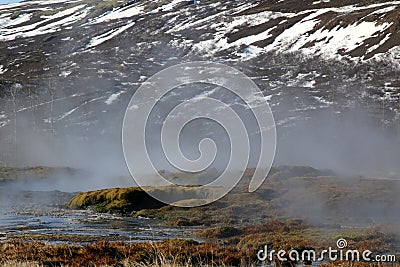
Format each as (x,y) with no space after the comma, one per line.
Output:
(29,216)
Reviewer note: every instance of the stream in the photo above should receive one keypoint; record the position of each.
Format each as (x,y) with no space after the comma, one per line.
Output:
(29,216)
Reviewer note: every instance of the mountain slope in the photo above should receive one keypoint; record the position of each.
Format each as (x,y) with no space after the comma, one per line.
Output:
(70,67)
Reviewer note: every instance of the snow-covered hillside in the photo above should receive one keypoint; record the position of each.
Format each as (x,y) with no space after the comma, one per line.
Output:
(68,65)
(332,30)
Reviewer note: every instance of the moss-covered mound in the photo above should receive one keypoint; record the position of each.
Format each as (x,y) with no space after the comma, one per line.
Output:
(127,200)
(119,200)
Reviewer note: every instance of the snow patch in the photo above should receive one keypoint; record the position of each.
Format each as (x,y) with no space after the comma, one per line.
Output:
(326,43)
(253,38)
(305,36)
(108,35)
(66,114)
(65,73)
(125,12)
(78,107)
(4,123)
(36,28)
(64,13)
(384,40)
(8,22)
(113,98)
(249,53)
(170,6)
(384,10)
(321,1)
(393,55)
(309,84)
(2,70)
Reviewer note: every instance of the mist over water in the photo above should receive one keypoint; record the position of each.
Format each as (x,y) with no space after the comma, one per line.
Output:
(85,133)
(348,143)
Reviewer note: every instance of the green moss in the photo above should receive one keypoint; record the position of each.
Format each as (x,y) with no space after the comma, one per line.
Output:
(117,200)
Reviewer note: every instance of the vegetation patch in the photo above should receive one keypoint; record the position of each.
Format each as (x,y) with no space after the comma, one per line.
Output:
(222,246)
(118,200)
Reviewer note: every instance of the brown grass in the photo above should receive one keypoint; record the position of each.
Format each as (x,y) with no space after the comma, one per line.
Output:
(174,252)
(223,246)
